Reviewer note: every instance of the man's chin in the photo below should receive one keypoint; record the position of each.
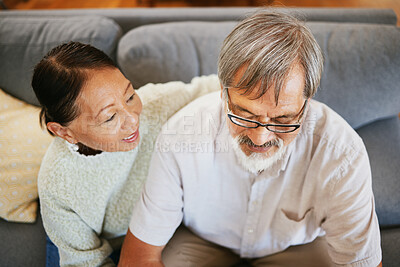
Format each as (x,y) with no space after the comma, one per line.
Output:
(255,162)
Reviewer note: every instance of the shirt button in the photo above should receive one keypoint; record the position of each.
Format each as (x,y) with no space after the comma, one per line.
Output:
(250,231)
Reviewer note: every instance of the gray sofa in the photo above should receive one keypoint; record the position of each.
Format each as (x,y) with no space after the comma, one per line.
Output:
(361,80)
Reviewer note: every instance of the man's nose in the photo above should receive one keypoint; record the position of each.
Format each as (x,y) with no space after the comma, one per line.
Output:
(260,135)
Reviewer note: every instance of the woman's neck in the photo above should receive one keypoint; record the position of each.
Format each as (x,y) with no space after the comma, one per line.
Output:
(87,151)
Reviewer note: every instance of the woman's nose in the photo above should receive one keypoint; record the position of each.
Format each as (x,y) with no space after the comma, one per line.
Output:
(131,121)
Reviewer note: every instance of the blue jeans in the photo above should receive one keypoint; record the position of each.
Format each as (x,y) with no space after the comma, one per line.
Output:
(53,258)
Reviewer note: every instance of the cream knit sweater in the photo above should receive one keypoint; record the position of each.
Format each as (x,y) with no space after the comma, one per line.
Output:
(86,201)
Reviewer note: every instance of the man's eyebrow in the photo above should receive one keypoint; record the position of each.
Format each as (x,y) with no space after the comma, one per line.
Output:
(289,116)
(242,109)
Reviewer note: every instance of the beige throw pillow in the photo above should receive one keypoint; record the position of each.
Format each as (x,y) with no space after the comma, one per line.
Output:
(22,146)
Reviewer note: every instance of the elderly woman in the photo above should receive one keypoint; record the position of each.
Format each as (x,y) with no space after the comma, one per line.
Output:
(93,171)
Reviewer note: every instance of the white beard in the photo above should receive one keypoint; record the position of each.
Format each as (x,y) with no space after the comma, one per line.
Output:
(257,162)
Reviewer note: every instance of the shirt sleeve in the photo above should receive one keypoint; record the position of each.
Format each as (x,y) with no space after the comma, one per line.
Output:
(159,211)
(77,243)
(351,224)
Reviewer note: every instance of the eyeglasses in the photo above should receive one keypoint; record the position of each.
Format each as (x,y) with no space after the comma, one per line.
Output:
(276,128)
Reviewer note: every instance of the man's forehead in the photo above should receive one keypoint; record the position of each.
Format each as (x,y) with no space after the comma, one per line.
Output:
(268,98)
(292,86)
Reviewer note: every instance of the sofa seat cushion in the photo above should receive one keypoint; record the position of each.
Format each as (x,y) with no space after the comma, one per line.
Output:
(25,40)
(390,247)
(23,244)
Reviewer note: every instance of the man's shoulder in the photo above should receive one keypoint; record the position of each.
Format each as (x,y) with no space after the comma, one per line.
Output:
(330,129)
(330,149)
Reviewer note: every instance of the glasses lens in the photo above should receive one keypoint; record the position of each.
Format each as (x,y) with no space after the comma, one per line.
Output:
(243,123)
(281,129)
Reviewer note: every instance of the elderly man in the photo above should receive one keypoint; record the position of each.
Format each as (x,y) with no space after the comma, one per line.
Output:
(259,172)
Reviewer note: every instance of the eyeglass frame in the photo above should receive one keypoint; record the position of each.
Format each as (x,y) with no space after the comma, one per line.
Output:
(266,125)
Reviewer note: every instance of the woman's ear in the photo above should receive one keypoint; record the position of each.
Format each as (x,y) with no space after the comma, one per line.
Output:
(61,131)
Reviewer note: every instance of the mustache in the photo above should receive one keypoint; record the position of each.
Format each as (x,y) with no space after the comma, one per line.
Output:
(243,139)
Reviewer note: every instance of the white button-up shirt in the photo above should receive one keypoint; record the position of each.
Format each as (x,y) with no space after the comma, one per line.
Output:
(322,186)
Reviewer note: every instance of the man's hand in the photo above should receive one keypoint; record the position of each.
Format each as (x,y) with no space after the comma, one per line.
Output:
(135,252)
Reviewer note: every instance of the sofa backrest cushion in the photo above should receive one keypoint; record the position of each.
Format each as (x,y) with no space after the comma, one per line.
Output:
(360,80)
(361,71)
(129,18)
(171,51)
(382,140)
(25,40)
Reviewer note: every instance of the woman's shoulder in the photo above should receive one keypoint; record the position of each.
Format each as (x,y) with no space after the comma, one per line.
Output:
(56,155)
(56,164)
(64,168)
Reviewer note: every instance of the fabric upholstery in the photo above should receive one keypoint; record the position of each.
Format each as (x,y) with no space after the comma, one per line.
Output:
(171,51)
(382,140)
(390,247)
(22,244)
(129,18)
(22,146)
(360,74)
(20,52)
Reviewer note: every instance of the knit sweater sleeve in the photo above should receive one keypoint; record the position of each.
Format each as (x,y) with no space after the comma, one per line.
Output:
(77,242)
(161,101)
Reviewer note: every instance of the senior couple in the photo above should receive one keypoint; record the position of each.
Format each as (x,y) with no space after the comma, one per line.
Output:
(282,181)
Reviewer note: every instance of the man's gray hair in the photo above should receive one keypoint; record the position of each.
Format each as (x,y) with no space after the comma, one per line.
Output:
(268,44)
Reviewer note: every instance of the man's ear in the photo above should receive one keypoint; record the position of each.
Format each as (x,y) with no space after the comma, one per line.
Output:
(222,89)
(61,131)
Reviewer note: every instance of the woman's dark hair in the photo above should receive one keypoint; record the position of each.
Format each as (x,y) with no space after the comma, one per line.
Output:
(59,77)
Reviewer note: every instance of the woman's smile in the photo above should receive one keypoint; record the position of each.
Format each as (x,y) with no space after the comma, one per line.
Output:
(132,138)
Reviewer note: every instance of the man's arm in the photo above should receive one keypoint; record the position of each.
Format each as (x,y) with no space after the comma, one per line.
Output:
(135,252)
(351,226)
